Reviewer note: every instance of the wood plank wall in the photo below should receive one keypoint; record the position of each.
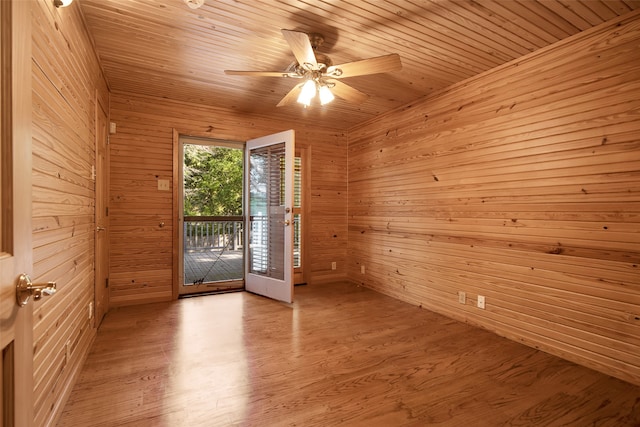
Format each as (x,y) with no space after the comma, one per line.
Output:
(521,185)
(66,75)
(141,252)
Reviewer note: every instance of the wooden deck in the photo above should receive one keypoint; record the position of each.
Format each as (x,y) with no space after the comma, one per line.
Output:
(340,355)
(212,266)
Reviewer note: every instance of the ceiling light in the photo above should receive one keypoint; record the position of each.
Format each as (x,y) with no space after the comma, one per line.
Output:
(62,3)
(307,93)
(325,95)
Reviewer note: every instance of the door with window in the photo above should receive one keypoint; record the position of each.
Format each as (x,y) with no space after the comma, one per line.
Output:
(16,323)
(269,202)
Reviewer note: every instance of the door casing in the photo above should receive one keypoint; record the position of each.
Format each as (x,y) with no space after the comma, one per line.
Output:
(101,299)
(179,288)
(178,215)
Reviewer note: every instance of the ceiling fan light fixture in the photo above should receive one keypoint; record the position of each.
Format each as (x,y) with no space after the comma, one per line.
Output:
(326,96)
(307,93)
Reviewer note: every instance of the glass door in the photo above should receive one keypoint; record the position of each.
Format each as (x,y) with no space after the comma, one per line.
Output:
(269,201)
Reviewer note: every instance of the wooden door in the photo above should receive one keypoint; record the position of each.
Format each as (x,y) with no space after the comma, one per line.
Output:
(269,204)
(101,217)
(16,323)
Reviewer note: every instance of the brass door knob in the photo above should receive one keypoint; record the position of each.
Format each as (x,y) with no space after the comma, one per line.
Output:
(25,289)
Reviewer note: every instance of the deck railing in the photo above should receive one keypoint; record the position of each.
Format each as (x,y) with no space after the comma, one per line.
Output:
(213,233)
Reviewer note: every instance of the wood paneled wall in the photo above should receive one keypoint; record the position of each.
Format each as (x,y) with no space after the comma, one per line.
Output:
(66,75)
(521,185)
(142,152)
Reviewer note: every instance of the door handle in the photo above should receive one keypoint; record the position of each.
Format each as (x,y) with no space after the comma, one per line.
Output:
(98,228)
(285,222)
(26,289)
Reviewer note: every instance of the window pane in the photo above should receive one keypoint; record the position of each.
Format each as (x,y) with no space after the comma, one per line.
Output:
(266,211)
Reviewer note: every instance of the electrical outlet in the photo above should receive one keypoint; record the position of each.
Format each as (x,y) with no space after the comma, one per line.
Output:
(362,269)
(163,184)
(334,265)
(462,297)
(67,351)
(481,302)
(90,310)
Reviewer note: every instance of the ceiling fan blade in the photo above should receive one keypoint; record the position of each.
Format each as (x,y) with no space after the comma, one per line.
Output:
(301,48)
(380,64)
(290,97)
(259,73)
(348,93)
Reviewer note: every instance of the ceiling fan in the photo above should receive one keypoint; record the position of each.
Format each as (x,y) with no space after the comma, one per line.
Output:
(318,73)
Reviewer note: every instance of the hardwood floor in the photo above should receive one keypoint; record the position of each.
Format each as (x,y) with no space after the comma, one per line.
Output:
(341,355)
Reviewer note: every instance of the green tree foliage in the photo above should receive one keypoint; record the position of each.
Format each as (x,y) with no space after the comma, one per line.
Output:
(212,181)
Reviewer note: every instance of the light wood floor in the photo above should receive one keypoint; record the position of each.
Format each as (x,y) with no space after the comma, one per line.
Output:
(339,356)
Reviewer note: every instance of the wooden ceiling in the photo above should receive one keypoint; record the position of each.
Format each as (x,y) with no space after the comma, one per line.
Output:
(163,48)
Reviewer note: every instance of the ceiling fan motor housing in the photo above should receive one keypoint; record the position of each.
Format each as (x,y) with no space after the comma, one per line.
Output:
(316,40)
(321,59)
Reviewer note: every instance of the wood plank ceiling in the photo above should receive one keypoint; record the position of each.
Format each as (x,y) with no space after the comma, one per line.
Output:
(165,49)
